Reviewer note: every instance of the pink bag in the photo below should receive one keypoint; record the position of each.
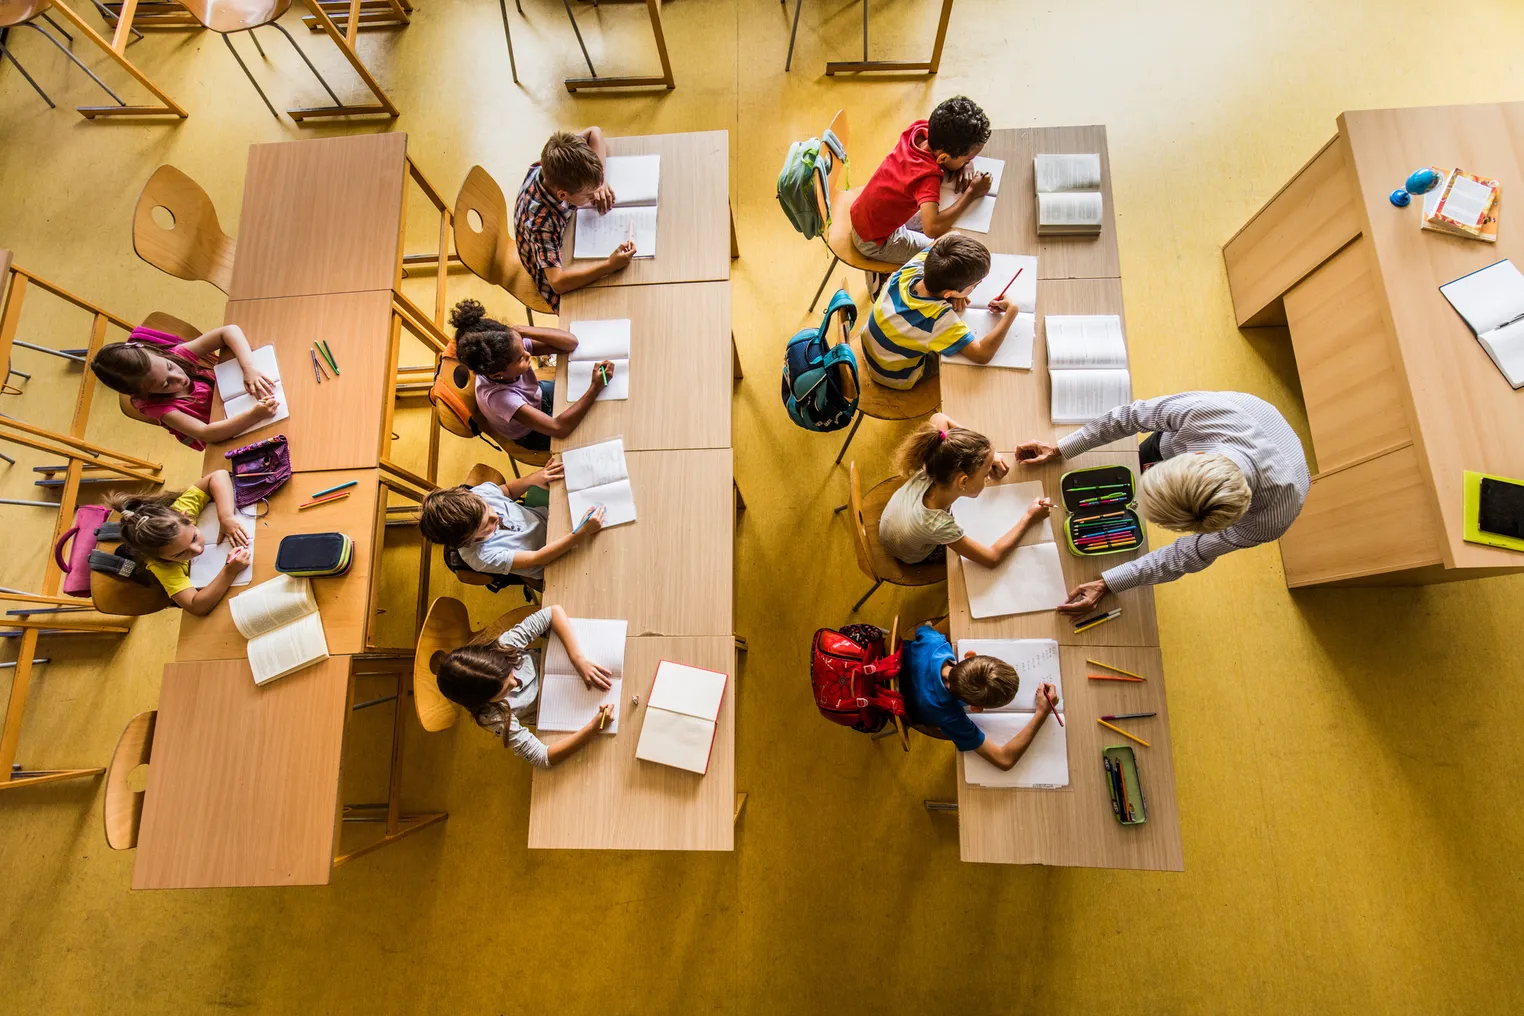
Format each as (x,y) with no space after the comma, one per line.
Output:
(76,578)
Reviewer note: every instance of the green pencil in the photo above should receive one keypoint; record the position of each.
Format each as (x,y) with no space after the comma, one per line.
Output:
(322,346)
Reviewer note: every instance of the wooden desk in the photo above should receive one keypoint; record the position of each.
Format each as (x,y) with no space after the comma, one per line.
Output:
(603,798)
(693,240)
(680,375)
(1400,396)
(670,571)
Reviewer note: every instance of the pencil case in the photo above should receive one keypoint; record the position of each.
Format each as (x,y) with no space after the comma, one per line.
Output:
(314,555)
(1102,508)
(1121,767)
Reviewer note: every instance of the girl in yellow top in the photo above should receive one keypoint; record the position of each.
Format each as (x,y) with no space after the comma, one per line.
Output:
(162,529)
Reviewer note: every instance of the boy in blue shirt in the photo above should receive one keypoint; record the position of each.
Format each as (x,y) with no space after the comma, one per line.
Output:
(936,686)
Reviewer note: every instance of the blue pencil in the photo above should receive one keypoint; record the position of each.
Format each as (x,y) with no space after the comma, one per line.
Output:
(341,486)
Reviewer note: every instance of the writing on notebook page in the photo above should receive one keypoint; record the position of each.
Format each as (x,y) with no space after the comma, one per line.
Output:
(1036,662)
(977,216)
(205,566)
(566,701)
(597,474)
(598,341)
(636,183)
(1016,275)
(235,400)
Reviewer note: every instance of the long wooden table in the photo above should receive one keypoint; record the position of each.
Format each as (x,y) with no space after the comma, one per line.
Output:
(1401,398)
(1073,826)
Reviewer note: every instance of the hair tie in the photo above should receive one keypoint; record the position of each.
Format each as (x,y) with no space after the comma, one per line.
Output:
(941,435)
(127,513)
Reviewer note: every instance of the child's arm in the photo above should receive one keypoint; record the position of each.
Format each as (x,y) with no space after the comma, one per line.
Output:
(983,349)
(202,601)
(564,280)
(553,472)
(937,221)
(206,346)
(560,547)
(188,425)
(591,673)
(977,552)
(562,426)
(603,197)
(574,743)
(1007,755)
(555,338)
(220,485)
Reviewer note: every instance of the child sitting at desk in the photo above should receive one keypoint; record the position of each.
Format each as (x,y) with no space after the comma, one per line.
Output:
(945,462)
(496,534)
(896,215)
(516,405)
(171,382)
(939,689)
(161,528)
(916,316)
(569,175)
(497,683)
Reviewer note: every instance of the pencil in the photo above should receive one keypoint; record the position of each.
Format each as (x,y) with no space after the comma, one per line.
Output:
(1008,285)
(318,377)
(601,718)
(328,352)
(1129,716)
(330,490)
(322,500)
(1111,677)
(1119,670)
(1056,714)
(1091,622)
(1124,733)
(322,362)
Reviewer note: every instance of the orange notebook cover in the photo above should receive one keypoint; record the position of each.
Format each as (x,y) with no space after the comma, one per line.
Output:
(1467,206)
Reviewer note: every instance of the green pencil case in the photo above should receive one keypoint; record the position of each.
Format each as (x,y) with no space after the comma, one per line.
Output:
(1121,767)
(1102,508)
(314,555)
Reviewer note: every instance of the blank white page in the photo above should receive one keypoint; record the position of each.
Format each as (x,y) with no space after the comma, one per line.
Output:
(601,340)
(675,739)
(1030,580)
(1015,349)
(617,499)
(634,179)
(1084,340)
(594,465)
(235,400)
(1003,268)
(1045,763)
(598,235)
(567,704)
(214,555)
(987,517)
(1488,297)
(1080,396)
(1035,660)
(579,378)
(977,216)
(691,690)
(1067,173)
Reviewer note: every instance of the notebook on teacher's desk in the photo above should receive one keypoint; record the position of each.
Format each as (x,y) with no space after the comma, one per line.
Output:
(280,620)
(1491,300)
(636,183)
(682,717)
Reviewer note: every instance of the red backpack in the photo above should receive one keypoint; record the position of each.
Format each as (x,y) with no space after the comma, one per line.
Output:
(851,675)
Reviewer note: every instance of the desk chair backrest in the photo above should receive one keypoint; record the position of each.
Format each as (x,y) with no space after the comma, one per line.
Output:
(124,806)
(160,322)
(860,535)
(16,12)
(228,16)
(448,627)
(194,247)
(837,179)
(489,251)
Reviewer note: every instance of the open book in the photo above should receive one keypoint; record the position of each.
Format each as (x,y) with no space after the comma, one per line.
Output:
(565,702)
(280,620)
(978,215)
(598,475)
(1035,660)
(1087,366)
(235,400)
(1016,349)
(1491,300)
(1045,763)
(204,568)
(597,341)
(635,181)
(681,716)
(1031,578)
(1068,194)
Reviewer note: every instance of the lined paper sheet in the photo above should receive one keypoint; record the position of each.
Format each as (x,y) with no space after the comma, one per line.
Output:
(976,218)
(566,703)
(1045,763)
(204,568)
(594,465)
(1016,349)
(1036,661)
(1031,578)
(598,341)
(235,400)
(598,235)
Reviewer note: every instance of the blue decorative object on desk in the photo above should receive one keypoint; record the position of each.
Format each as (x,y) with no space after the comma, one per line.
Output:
(1421,181)
(1400,198)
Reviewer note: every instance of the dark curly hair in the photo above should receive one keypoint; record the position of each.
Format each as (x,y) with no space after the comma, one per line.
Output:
(956,126)
(483,344)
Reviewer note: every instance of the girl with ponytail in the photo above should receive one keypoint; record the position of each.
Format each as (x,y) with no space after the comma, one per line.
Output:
(161,529)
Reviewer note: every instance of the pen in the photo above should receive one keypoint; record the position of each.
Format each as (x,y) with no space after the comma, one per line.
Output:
(1124,733)
(1129,716)
(316,376)
(589,515)
(1097,619)
(330,490)
(1008,285)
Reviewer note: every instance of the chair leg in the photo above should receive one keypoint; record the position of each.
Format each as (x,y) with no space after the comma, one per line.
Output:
(789,60)
(74,60)
(841,508)
(827,278)
(850,435)
(110,17)
(279,27)
(228,41)
(57,29)
(573,18)
(255,40)
(515,464)
(12,462)
(858,605)
(530,312)
(6,54)
(513,65)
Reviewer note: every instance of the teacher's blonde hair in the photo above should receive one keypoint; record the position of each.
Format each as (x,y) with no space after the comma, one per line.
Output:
(1203,493)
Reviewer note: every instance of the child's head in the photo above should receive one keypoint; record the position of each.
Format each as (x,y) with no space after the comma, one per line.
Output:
(1201,493)
(957,131)
(454,517)
(570,169)
(955,264)
(472,676)
(983,681)
(958,457)
(152,528)
(135,369)
(487,347)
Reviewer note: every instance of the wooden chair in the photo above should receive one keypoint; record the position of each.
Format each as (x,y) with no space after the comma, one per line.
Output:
(836,207)
(194,247)
(113,595)
(448,627)
(23,14)
(124,806)
(882,403)
(226,17)
(874,561)
(159,322)
(488,250)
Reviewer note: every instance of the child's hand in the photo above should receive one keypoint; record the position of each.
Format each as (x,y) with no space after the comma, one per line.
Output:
(238,560)
(1047,698)
(602,718)
(622,255)
(264,408)
(593,675)
(980,185)
(1003,307)
(603,198)
(554,471)
(959,304)
(232,530)
(603,373)
(999,468)
(258,385)
(1039,508)
(592,522)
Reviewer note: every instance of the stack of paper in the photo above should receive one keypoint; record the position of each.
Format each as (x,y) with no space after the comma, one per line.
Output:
(598,341)
(1016,349)
(1068,194)
(566,703)
(976,217)
(1045,763)
(636,182)
(598,475)
(235,400)
(1031,578)
(204,568)
(681,717)
(1087,366)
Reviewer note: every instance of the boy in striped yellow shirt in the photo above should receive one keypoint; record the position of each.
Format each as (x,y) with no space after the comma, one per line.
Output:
(916,316)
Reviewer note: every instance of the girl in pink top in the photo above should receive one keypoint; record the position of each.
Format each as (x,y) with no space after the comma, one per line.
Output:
(171,382)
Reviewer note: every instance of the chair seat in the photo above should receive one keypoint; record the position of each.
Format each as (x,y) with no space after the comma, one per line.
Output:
(890,403)
(890,568)
(226,16)
(528,456)
(15,12)
(839,236)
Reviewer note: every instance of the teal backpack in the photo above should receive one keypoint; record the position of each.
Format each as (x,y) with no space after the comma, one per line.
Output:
(807,161)
(820,379)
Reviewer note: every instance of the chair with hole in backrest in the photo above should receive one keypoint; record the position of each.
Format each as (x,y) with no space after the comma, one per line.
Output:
(874,561)
(836,204)
(226,17)
(124,806)
(447,627)
(453,397)
(23,14)
(193,246)
(484,240)
(883,403)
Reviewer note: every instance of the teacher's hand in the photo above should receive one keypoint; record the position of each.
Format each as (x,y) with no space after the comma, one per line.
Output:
(1083,597)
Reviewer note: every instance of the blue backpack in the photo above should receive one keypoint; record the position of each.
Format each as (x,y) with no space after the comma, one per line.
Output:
(820,379)
(806,161)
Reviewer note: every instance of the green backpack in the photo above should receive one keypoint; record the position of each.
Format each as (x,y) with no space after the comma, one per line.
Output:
(806,161)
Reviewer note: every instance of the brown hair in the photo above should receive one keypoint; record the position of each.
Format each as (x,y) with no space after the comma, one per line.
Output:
(123,366)
(473,675)
(449,516)
(955,262)
(568,163)
(944,454)
(483,344)
(149,524)
(983,681)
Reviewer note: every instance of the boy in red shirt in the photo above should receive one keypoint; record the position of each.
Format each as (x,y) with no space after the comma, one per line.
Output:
(896,215)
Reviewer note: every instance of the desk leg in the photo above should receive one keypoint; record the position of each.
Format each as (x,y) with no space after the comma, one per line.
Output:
(114,49)
(735,246)
(929,66)
(941,805)
(383,103)
(740,501)
(653,9)
(740,806)
(735,360)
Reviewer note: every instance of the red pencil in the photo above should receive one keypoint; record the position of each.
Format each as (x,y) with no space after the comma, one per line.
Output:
(1056,714)
(1008,285)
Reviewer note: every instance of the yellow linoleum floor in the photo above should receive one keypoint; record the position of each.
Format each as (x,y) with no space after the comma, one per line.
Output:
(1344,758)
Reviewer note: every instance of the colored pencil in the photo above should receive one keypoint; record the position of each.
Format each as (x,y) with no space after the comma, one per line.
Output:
(1111,677)
(1095,619)
(1129,716)
(601,718)
(322,362)
(1101,486)
(328,352)
(1124,733)
(316,376)
(1122,787)
(323,500)
(1119,670)
(1008,285)
(340,486)
(1056,714)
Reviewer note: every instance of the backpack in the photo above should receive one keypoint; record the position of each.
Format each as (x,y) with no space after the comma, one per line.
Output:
(453,395)
(850,677)
(806,161)
(820,380)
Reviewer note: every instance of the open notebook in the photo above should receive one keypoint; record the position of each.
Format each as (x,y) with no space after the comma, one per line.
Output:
(1016,349)
(1035,660)
(280,620)
(597,474)
(1045,763)
(977,216)
(636,182)
(235,400)
(681,717)
(204,568)
(1031,578)
(1491,301)
(565,702)
(1068,194)
(598,341)
(1087,366)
